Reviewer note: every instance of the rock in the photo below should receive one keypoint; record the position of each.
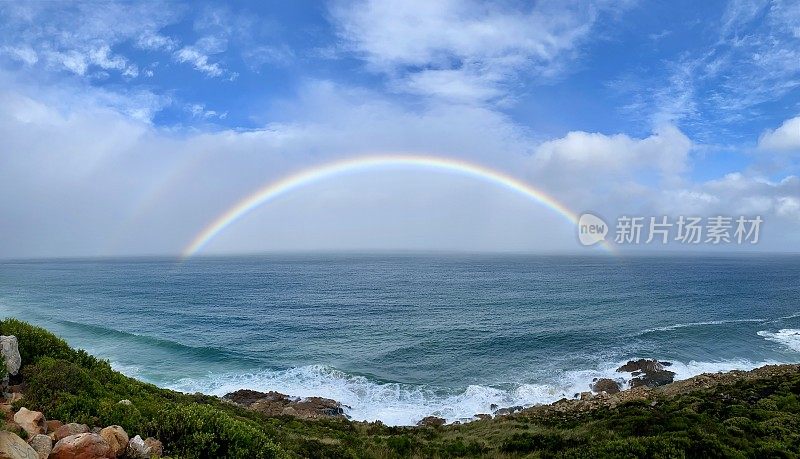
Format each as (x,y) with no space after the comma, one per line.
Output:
(508,410)
(53,425)
(82,446)
(648,373)
(70,429)
(606,385)
(247,397)
(277,404)
(13,447)
(482,416)
(586,395)
(155,446)
(125,402)
(42,444)
(431,421)
(96,430)
(32,421)
(641,365)
(13,397)
(144,449)
(9,349)
(117,439)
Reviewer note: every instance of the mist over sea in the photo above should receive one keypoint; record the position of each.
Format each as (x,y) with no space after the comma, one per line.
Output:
(400,337)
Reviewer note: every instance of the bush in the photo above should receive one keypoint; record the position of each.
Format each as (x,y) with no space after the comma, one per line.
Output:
(203,432)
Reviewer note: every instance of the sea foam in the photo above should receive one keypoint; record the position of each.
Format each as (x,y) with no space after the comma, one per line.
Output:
(788,337)
(406,404)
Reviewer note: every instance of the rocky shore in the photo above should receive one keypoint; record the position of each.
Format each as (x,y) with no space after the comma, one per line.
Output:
(648,379)
(28,434)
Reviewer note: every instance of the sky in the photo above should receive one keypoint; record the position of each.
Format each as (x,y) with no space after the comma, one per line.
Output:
(126,128)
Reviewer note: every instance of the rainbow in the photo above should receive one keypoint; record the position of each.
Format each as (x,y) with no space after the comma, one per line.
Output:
(308,176)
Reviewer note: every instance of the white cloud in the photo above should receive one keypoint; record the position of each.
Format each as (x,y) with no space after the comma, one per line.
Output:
(199,61)
(784,138)
(77,36)
(666,151)
(151,40)
(462,49)
(24,54)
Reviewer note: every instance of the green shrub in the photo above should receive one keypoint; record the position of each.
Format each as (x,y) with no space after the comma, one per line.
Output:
(200,431)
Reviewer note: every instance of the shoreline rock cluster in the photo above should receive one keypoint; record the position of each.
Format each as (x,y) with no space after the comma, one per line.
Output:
(276,404)
(647,373)
(52,439)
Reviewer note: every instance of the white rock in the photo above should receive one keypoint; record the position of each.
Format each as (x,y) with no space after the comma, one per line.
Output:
(9,349)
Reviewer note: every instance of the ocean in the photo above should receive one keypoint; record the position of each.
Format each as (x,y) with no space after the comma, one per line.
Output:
(397,337)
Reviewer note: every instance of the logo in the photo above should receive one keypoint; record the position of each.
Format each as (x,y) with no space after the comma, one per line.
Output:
(591,229)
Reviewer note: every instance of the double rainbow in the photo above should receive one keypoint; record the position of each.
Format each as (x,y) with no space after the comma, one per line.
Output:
(314,174)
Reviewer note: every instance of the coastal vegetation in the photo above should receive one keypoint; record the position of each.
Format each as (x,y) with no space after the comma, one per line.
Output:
(746,414)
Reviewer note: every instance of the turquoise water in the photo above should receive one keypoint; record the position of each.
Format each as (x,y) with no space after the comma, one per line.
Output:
(399,337)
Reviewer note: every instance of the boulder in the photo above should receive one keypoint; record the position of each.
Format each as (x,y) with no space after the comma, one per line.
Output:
(67,430)
(648,372)
(117,439)
(82,446)
(431,421)
(144,449)
(32,421)
(606,385)
(125,402)
(53,425)
(13,447)
(483,416)
(42,444)
(9,349)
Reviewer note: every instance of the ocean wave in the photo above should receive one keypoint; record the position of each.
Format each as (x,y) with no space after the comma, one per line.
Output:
(788,337)
(699,324)
(406,404)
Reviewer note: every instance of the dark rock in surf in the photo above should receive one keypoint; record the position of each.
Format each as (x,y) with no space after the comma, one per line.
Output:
(431,421)
(508,410)
(648,373)
(606,385)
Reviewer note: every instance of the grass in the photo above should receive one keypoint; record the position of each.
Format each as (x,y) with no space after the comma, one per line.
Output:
(750,418)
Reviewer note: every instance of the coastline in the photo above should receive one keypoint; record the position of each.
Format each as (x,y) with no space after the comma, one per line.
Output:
(751,413)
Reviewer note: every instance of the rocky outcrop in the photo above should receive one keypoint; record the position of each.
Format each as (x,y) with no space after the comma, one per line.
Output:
(144,449)
(82,446)
(14,447)
(117,439)
(508,410)
(9,350)
(648,373)
(32,422)
(277,404)
(72,428)
(42,444)
(606,385)
(431,421)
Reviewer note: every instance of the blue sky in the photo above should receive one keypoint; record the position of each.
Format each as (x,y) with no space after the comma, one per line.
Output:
(616,106)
